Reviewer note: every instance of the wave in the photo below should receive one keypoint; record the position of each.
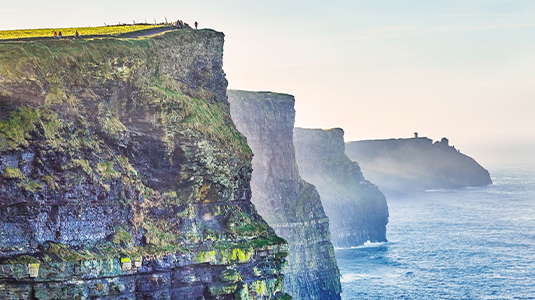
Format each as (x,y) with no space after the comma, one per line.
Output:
(352,277)
(367,244)
(445,190)
(438,190)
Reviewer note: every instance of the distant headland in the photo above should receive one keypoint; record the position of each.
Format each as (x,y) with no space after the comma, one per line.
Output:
(416,164)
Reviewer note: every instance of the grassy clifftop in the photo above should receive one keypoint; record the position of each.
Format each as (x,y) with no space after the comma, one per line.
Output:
(70,32)
(62,72)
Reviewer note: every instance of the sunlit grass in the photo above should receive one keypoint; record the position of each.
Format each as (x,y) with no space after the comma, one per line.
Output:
(69,32)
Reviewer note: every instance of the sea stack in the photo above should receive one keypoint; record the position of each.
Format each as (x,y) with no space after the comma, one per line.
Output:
(357,210)
(122,175)
(400,166)
(289,204)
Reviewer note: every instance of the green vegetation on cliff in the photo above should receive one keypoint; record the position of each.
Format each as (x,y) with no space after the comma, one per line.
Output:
(57,67)
(48,32)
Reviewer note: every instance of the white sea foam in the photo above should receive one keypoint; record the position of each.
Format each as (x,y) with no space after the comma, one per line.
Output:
(367,244)
(352,277)
(438,190)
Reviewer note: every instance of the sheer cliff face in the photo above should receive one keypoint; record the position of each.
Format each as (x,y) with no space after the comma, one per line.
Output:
(122,175)
(401,166)
(356,208)
(289,204)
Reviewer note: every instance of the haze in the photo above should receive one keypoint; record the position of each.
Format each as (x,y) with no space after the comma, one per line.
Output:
(378,69)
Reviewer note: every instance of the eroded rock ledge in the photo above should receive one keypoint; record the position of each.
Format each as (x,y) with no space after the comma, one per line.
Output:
(122,175)
(289,204)
(357,210)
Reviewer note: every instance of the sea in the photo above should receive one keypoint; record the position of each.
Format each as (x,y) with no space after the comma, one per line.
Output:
(473,243)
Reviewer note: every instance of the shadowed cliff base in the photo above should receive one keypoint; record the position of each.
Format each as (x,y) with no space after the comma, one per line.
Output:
(289,204)
(123,177)
(400,166)
(357,210)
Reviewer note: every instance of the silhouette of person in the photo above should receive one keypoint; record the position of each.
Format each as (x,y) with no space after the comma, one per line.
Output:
(60,35)
(196,24)
(76,35)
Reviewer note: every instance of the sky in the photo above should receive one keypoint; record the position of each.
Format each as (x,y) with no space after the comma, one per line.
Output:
(463,69)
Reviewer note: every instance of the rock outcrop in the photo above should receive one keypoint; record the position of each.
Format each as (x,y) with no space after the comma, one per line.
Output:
(400,166)
(357,210)
(289,204)
(122,175)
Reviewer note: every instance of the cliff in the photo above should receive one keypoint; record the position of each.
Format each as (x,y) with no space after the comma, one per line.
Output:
(289,204)
(356,208)
(416,164)
(122,175)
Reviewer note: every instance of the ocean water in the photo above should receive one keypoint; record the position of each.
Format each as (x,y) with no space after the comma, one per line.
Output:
(475,243)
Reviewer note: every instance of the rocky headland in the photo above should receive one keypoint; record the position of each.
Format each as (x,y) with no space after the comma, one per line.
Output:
(289,204)
(357,210)
(122,175)
(400,166)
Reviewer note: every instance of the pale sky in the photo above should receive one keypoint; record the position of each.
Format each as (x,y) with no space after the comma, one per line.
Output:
(464,69)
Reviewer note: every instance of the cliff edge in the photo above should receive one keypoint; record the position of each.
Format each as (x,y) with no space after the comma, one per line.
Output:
(400,166)
(289,204)
(122,175)
(357,210)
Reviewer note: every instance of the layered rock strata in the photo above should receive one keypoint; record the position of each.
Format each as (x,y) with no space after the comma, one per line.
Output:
(122,175)
(289,204)
(400,166)
(357,210)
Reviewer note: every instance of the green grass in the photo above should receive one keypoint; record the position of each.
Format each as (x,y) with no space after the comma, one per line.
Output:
(69,32)
(122,237)
(196,113)
(13,173)
(15,131)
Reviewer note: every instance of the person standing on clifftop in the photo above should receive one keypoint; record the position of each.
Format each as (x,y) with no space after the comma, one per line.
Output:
(196,25)
(55,35)
(76,35)
(60,35)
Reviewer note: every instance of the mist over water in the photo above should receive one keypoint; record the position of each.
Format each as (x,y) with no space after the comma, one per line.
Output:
(476,243)
(504,151)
